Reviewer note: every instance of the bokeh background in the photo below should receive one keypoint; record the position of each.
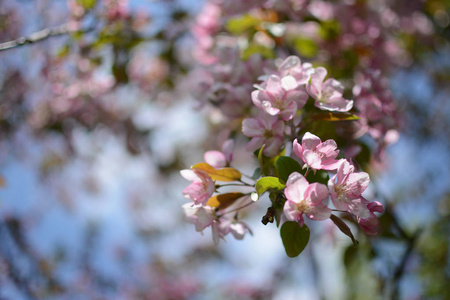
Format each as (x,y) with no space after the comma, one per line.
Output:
(97,120)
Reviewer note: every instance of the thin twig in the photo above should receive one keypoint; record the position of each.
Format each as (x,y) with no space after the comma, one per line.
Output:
(41,36)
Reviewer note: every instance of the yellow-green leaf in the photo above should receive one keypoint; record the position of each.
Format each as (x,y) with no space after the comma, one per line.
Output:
(332,117)
(268,182)
(224,174)
(306,47)
(241,24)
(222,201)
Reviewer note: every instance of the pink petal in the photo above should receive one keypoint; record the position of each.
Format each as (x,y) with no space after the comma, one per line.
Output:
(375,206)
(289,83)
(252,127)
(317,78)
(328,149)
(278,128)
(330,164)
(358,208)
(298,150)
(227,149)
(310,141)
(318,212)
(289,112)
(338,202)
(216,159)
(289,63)
(312,159)
(338,104)
(296,186)
(272,146)
(256,98)
(357,184)
(268,108)
(316,192)
(255,144)
(190,175)
(290,211)
(274,87)
(300,97)
(334,85)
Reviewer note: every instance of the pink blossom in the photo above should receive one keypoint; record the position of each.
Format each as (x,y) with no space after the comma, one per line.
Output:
(370,224)
(280,96)
(346,188)
(201,188)
(315,154)
(265,130)
(231,225)
(328,94)
(200,215)
(203,216)
(322,10)
(219,159)
(304,198)
(292,66)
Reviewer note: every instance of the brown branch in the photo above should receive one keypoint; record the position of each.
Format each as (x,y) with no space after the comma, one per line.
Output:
(40,36)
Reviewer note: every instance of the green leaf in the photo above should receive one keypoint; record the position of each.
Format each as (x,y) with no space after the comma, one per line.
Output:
(294,237)
(344,228)
(329,29)
(258,49)
(286,166)
(223,201)
(241,24)
(224,174)
(306,47)
(350,254)
(334,116)
(267,164)
(320,176)
(63,51)
(268,182)
(261,158)
(87,4)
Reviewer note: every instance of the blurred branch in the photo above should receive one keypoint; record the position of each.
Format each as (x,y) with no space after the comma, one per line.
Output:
(41,36)
(400,270)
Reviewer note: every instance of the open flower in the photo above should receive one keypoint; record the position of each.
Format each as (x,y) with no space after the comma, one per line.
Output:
(265,130)
(201,188)
(231,225)
(346,188)
(328,94)
(280,96)
(203,216)
(200,215)
(315,154)
(304,198)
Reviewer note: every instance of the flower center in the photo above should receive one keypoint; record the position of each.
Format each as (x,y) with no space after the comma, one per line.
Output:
(268,134)
(303,206)
(341,191)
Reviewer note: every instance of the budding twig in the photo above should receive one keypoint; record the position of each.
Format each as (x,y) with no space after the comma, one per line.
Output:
(41,36)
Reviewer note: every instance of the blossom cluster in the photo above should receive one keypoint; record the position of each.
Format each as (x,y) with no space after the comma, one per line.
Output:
(276,115)
(282,95)
(345,187)
(203,212)
(301,198)
(282,105)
